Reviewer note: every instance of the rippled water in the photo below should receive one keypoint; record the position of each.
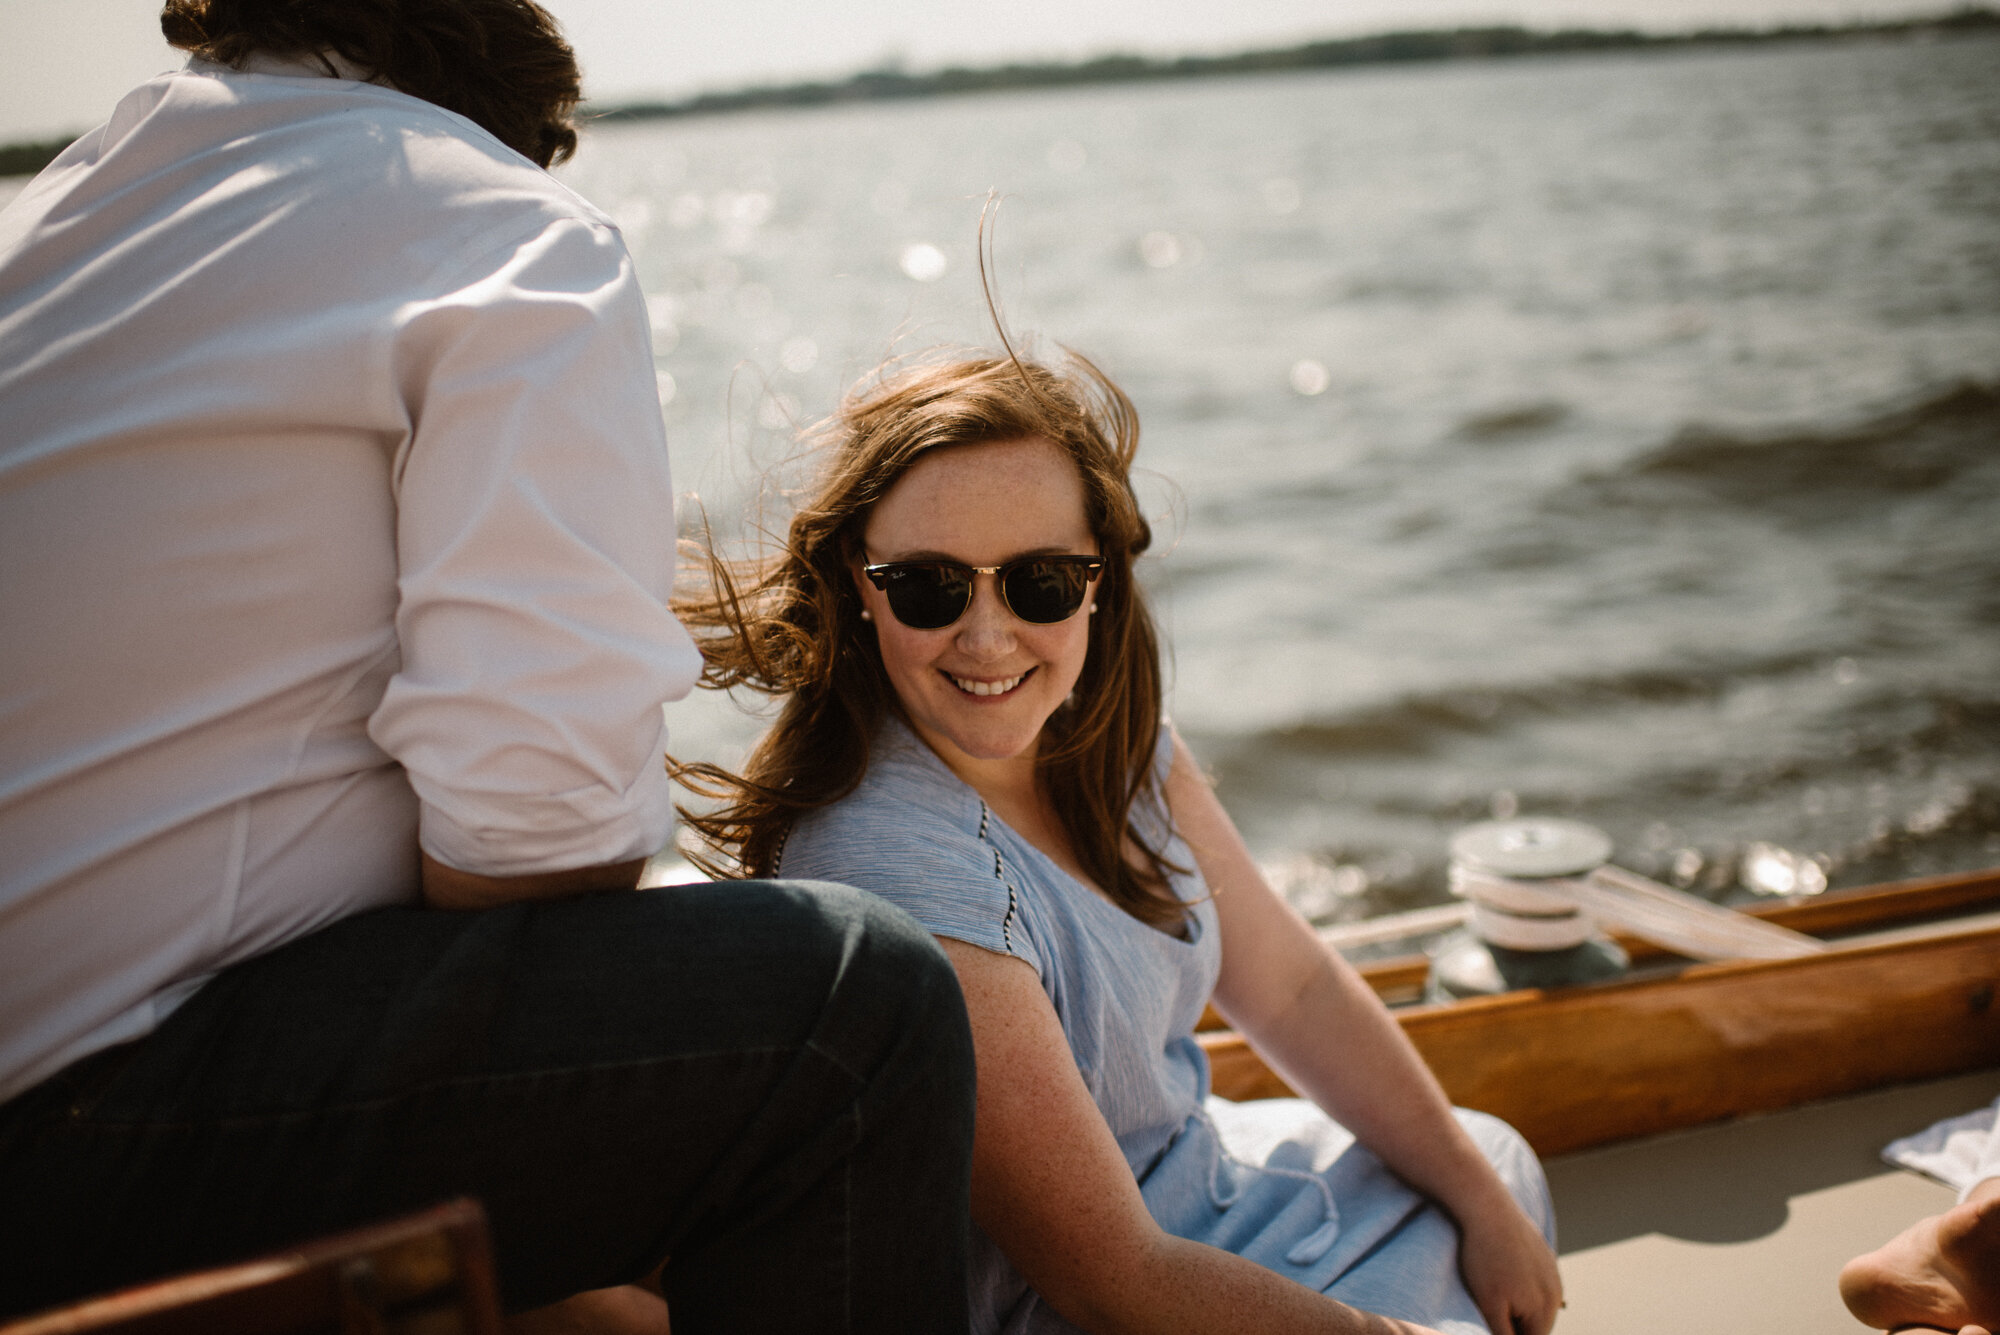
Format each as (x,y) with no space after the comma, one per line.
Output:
(1611,437)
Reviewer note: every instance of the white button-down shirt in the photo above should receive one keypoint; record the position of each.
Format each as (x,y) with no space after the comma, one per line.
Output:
(334,516)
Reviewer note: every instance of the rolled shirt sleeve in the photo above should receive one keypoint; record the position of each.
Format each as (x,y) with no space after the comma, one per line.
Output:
(535,537)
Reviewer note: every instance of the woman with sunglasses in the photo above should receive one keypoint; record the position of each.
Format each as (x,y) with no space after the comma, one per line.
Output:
(971,727)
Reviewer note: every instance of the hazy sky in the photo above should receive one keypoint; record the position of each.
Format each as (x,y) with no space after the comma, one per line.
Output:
(64,63)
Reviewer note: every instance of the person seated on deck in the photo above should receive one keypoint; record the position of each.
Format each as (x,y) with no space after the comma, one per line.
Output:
(336,522)
(1942,1272)
(971,727)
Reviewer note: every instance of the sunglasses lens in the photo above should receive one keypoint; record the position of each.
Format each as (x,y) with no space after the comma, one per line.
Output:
(928,597)
(1045,592)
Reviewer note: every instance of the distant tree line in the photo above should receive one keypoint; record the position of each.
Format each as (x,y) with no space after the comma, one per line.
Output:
(22,159)
(1383,48)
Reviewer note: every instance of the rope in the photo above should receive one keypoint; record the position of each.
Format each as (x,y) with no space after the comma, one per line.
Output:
(1560,911)
(1521,915)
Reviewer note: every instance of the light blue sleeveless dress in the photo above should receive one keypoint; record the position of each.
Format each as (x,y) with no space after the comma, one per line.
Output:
(1275,1180)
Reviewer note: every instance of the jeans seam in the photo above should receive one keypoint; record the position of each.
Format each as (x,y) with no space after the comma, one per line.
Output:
(847,1233)
(833,1059)
(76,1114)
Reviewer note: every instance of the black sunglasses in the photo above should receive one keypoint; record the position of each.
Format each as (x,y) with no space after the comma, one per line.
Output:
(930,595)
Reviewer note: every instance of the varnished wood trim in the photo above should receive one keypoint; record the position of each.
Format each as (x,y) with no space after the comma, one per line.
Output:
(1883,905)
(1607,1062)
(1400,979)
(431,1271)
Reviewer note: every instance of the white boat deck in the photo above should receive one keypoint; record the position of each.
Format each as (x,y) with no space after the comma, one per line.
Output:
(1743,1227)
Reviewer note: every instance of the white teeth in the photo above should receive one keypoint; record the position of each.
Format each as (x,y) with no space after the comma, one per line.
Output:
(987,687)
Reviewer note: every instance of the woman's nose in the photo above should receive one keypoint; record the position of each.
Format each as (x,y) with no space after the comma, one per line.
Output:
(987,628)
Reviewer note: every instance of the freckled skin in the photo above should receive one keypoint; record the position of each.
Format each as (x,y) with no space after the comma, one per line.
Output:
(1050,1184)
(983,505)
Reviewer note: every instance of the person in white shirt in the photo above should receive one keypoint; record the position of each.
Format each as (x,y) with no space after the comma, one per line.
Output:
(337,534)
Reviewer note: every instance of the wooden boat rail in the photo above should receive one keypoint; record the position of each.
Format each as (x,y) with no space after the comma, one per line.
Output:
(1678,1044)
(429,1273)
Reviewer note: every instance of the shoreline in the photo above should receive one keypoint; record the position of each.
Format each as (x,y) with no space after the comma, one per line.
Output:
(1406,47)
(1403,47)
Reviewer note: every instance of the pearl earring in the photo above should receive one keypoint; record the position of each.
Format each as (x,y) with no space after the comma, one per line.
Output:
(1093,607)
(867,615)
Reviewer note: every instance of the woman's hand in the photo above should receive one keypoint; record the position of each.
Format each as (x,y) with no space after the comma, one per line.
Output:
(1052,1188)
(1288,993)
(1509,1270)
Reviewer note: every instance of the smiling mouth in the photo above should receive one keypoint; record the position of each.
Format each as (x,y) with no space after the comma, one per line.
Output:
(1001,687)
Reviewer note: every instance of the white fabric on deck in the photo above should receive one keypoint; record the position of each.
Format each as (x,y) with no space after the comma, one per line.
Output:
(1960,1152)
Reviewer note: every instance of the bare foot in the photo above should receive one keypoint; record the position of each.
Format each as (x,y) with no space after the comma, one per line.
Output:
(624,1310)
(1940,1273)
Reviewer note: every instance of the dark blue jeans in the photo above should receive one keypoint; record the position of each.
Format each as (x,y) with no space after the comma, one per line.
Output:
(769,1083)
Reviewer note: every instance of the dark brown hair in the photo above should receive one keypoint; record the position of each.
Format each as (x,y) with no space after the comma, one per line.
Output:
(790,625)
(501,64)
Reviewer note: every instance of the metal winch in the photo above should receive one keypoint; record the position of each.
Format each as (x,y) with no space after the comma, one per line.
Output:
(1525,930)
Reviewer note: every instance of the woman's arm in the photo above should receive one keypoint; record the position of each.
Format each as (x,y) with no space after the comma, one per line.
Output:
(1321,1027)
(1051,1187)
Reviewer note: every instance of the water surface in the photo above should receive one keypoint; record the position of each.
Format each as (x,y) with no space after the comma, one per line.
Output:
(1613,437)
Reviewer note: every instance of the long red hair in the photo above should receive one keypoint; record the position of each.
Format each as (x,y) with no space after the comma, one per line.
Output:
(789,625)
